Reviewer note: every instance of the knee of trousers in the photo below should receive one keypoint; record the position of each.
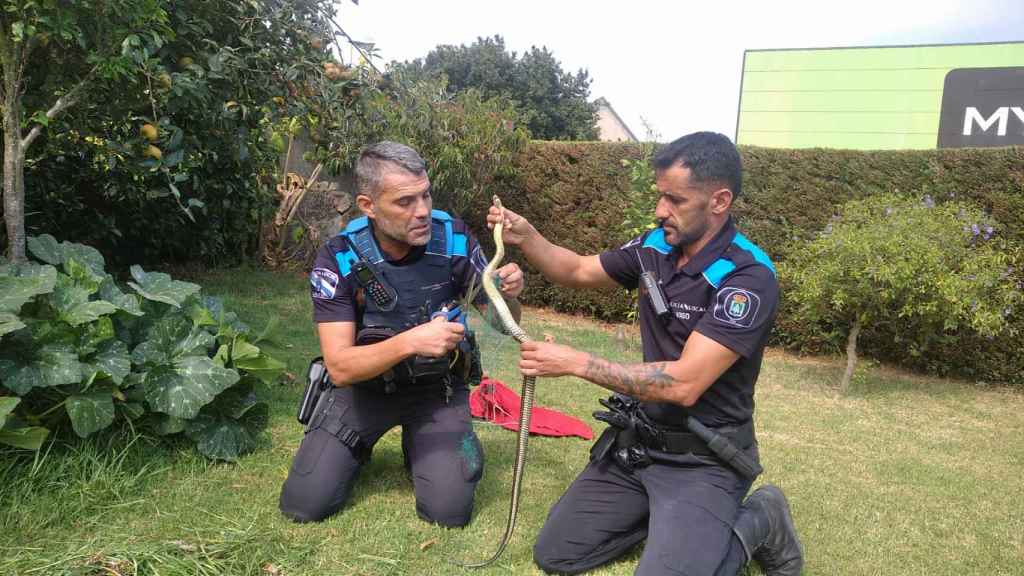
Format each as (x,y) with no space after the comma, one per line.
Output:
(320,479)
(452,508)
(301,505)
(547,558)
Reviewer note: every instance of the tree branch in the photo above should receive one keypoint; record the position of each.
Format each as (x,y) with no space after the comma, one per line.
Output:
(63,103)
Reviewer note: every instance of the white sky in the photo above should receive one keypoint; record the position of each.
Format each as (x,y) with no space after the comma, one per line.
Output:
(675,63)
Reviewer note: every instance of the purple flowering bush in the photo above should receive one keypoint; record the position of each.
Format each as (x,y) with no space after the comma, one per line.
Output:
(926,272)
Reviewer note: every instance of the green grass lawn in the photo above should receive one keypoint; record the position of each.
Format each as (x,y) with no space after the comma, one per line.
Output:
(905,475)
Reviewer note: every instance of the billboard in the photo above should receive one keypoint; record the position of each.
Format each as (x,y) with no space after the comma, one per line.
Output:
(897,97)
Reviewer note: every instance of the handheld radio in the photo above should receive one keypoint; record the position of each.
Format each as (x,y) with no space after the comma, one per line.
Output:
(654,292)
(383,296)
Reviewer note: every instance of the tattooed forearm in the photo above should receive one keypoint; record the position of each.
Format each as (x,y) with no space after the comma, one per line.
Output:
(648,381)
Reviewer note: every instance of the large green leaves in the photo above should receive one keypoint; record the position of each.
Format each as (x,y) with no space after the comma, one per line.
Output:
(83,254)
(229,427)
(7,405)
(91,412)
(13,432)
(52,365)
(71,301)
(27,437)
(228,324)
(247,357)
(113,360)
(172,337)
(165,425)
(182,388)
(19,283)
(91,336)
(83,345)
(9,323)
(159,287)
(47,249)
(126,302)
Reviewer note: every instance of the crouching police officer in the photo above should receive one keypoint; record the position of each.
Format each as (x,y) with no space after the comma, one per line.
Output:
(385,299)
(680,453)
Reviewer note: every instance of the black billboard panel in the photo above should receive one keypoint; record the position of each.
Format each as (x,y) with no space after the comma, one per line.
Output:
(982,107)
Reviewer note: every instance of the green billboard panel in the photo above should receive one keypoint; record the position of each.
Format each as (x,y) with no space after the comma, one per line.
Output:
(881,98)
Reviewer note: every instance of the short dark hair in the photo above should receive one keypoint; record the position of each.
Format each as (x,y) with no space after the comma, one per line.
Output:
(383,157)
(711,158)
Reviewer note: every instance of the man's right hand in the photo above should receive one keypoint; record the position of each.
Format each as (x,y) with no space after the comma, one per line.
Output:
(515,229)
(436,338)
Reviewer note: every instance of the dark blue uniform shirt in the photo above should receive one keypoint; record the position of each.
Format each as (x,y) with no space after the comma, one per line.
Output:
(727,292)
(334,296)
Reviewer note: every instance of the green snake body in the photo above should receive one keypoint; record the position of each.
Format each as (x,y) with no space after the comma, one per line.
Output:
(526,404)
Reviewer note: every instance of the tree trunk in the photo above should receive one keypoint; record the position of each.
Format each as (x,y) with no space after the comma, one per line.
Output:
(851,356)
(14,178)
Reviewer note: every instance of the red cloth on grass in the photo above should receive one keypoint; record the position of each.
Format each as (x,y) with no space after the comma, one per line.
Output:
(493,401)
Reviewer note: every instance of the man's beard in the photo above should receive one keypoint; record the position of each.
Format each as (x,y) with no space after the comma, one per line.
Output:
(390,233)
(686,237)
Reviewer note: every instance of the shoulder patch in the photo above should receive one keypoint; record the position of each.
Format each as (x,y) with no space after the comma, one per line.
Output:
(477,259)
(323,283)
(737,306)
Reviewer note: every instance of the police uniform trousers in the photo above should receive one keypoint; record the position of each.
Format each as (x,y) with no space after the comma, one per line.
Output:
(683,505)
(441,451)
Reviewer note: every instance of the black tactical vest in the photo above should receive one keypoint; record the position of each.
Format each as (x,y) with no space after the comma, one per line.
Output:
(422,287)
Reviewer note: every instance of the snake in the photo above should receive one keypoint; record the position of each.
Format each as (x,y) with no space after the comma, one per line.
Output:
(526,403)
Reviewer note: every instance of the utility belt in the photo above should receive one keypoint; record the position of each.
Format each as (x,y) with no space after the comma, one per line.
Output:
(682,442)
(631,434)
(416,372)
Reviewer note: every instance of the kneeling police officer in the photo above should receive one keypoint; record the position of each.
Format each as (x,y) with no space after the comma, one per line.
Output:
(386,295)
(680,454)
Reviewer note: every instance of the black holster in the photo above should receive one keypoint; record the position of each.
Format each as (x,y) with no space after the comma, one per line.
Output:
(328,420)
(317,381)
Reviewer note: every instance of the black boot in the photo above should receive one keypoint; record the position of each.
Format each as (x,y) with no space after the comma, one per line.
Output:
(765,528)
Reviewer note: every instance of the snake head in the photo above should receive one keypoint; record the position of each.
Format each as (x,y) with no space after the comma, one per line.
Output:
(496,201)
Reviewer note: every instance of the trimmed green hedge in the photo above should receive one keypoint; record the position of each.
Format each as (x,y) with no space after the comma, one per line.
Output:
(575,192)
(791,193)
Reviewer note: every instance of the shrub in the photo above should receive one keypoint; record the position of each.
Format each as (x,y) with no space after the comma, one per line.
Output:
(77,347)
(170,159)
(638,216)
(930,272)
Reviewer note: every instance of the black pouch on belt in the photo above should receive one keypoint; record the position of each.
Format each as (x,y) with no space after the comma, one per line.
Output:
(620,439)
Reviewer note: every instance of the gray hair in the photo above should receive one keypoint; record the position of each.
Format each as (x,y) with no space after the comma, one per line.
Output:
(381,158)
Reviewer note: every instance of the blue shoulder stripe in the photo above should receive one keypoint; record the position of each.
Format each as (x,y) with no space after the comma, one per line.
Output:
(449,241)
(356,224)
(346,258)
(656,240)
(759,255)
(442,236)
(718,270)
(459,245)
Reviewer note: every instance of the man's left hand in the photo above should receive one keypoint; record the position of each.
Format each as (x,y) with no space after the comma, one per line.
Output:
(511,280)
(549,359)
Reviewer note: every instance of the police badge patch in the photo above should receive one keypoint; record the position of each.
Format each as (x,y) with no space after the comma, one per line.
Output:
(737,306)
(323,283)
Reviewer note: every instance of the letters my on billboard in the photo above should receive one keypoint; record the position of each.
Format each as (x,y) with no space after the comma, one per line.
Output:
(982,107)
